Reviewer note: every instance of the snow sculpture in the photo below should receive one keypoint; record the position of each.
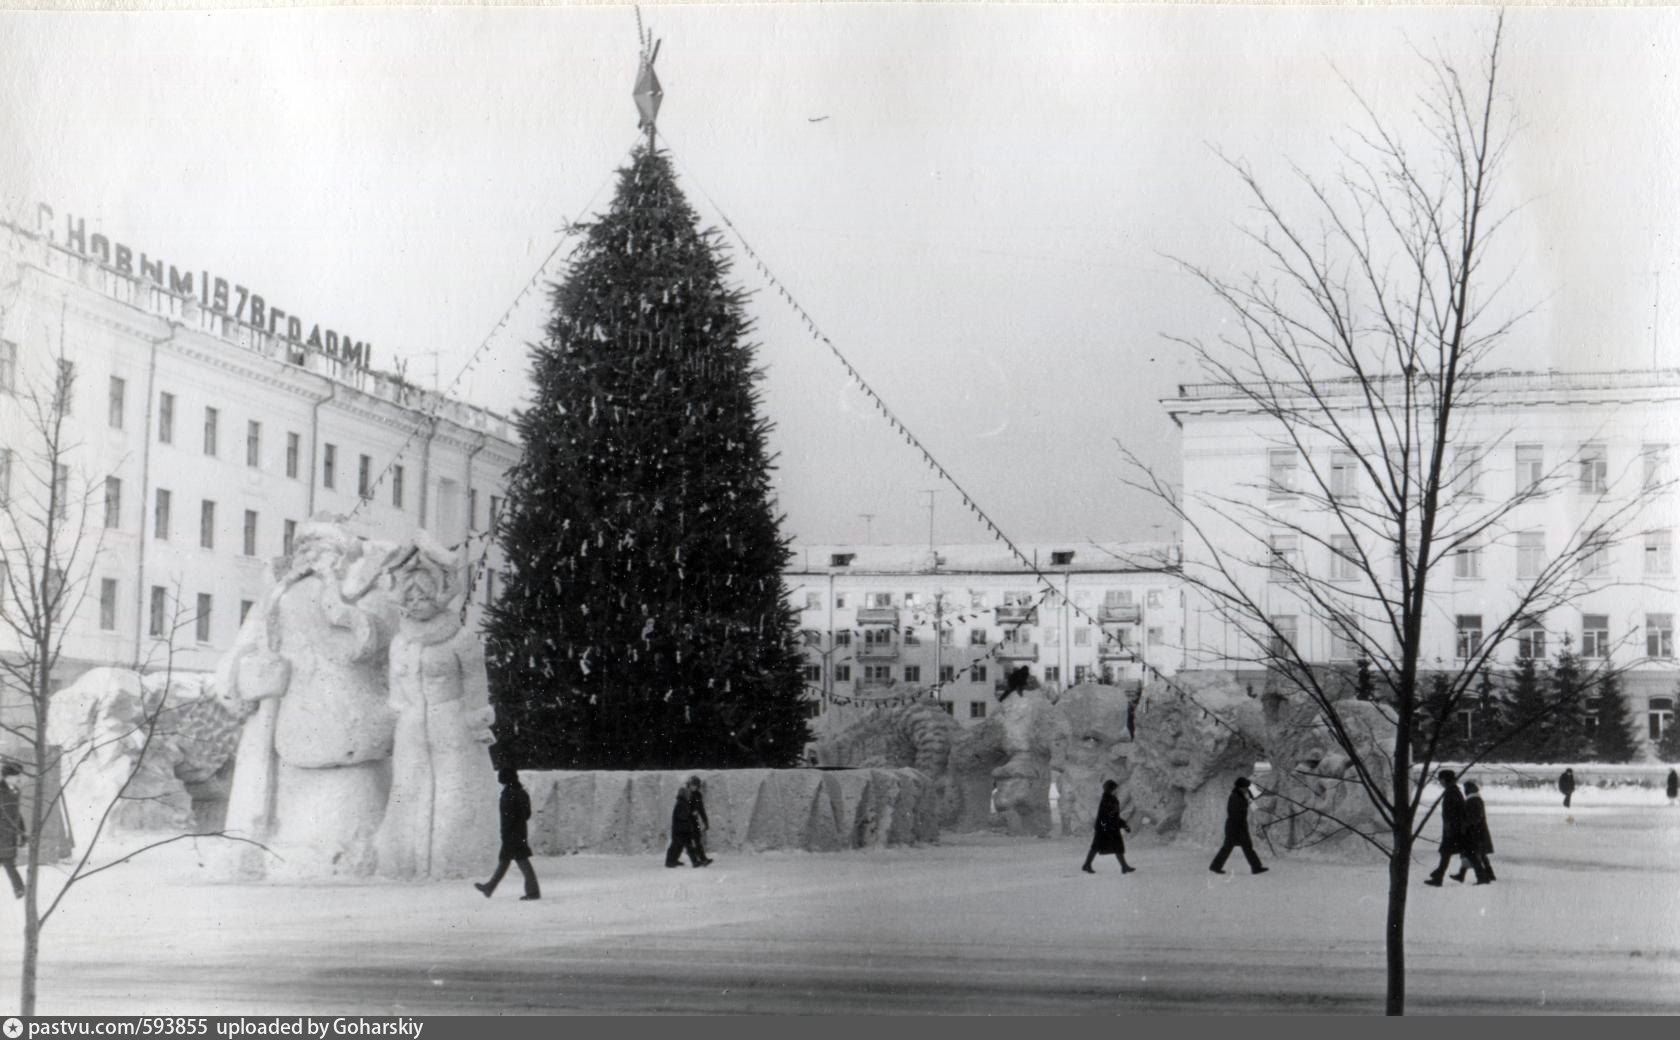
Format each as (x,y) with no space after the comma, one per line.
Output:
(1028,727)
(166,737)
(439,821)
(1195,734)
(307,673)
(918,734)
(1315,796)
(1099,747)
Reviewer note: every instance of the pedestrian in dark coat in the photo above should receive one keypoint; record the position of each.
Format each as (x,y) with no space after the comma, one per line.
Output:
(515,809)
(1566,784)
(1236,830)
(687,827)
(1452,825)
(1107,839)
(13,835)
(702,825)
(1478,843)
(1673,786)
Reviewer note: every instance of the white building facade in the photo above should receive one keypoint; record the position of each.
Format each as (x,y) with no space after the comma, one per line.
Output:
(882,623)
(1600,442)
(197,441)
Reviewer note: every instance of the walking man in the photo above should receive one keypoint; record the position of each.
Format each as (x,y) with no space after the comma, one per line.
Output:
(1673,786)
(515,810)
(686,827)
(1566,784)
(1452,825)
(13,835)
(1478,843)
(1107,840)
(1236,830)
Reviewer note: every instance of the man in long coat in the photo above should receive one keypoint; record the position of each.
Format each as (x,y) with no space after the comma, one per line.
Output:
(1566,785)
(1107,840)
(515,810)
(686,827)
(1236,830)
(1478,842)
(12,831)
(1452,825)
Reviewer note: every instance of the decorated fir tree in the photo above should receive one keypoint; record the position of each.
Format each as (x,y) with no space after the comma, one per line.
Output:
(642,622)
(1612,738)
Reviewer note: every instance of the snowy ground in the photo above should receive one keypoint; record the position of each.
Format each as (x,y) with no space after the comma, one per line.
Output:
(1585,918)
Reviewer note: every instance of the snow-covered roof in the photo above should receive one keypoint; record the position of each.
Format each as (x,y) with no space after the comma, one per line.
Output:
(989,558)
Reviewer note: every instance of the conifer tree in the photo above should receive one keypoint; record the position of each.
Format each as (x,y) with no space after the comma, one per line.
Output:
(1522,738)
(1489,718)
(1564,731)
(643,622)
(1613,739)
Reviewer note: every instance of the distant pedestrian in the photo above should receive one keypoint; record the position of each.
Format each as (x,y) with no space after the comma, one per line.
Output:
(13,835)
(1478,843)
(687,826)
(1107,839)
(1566,784)
(1452,825)
(515,808)
(702,825)
(1236,830)
(1673,786)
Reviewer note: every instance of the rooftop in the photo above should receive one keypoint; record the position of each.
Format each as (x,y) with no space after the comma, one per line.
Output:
(985,558)
(1502,380)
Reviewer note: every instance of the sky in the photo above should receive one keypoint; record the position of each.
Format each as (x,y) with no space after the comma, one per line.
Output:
(984,207)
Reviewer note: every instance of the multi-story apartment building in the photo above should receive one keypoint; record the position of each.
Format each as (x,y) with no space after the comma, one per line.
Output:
(880,622)
(1597,443)
(198,439)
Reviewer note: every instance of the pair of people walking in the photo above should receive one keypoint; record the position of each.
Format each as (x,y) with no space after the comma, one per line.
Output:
(689,826)
(1464,833)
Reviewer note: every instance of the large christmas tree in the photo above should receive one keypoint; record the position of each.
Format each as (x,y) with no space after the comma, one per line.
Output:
(642,622)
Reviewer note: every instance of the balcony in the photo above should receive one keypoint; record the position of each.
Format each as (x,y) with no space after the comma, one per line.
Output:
(877,616)
(1112,651)
(876,652)
(1120,614)
(1017,652)
(867,685)
(1017,614)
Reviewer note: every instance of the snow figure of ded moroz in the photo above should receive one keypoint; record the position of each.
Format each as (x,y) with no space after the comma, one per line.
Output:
(438,822)
(307,674)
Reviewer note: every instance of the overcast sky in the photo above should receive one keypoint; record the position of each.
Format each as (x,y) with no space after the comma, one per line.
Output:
(976,203)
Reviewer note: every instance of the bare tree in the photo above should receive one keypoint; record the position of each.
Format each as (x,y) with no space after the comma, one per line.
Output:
(1361,350)
(49,542)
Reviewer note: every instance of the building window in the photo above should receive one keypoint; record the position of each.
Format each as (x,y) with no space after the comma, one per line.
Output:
(64,394)
(1659,635)
(877,600)
(119,398)
(472,509)
(912,673)
(8,366)
(1654,458)
(841,559)
(1595,635)
(947,673)
(1531,640)
(1117,598)
(250,541)
(1531,468)
(877,637)
(976,600)
(945,637)
(288,537)
(1081,672)
(158,623)
(1155,635)
(166,418)
(397,486)
(1531,553)
(108,604)
(253,443)
(1082,636)
(294,448)
(61,491)
(950,709)
(1281,464)
(877,673)
(245,606)
(1344,563)
(201,623)
(364,476)
(1595,560)
(1286,634)
(495,511)
(810,637)
(113,503)
(813,673)
(843,637)
(977,673)
(912,637)
(1595,469)
(1659,715)
(842,673)
(489,587)
(1659,553)
(207,524)
(212,420)
(1061,558)
(1154,599)
(160,516)
(1469,636)
(976,637)
(1344,639)
(1467,471)
(1344,476)
(1285,549)
(329,465)
(1052,673)
(813,601)
(1467,562)
(976,709)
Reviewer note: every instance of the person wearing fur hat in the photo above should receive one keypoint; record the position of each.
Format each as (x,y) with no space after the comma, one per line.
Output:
(1452,825)
(1236,830)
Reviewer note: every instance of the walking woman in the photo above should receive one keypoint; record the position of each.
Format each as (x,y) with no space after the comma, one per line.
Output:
(1107,839)
(1478,842)
(515,811)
